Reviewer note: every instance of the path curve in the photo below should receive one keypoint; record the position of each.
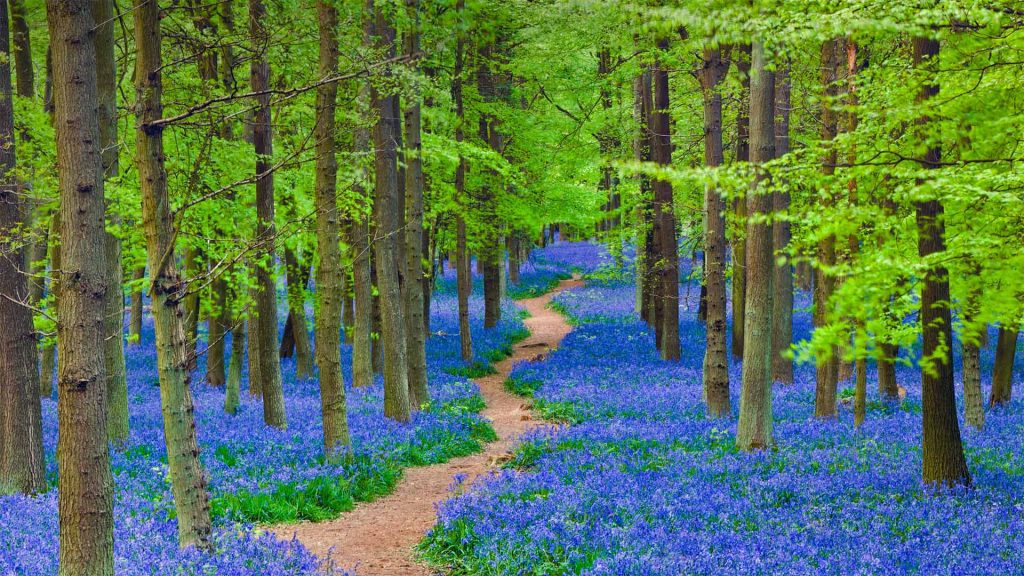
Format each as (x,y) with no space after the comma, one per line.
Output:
(377,538)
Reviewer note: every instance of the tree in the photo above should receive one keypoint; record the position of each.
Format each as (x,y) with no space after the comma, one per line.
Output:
(942,450)
(388,220)
(782,299)
(86,498)
(263,327)
(21,444)
(714,67)
(739,242)
(664,215)
(754,430)
(188,481)
(328,270)
(1002,372)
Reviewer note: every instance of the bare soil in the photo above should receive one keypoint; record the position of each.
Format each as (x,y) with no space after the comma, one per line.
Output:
(377,538)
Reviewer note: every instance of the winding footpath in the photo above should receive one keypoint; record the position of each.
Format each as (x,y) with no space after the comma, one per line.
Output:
(377,538)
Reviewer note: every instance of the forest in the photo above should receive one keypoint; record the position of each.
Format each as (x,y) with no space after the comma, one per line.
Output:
(546,287)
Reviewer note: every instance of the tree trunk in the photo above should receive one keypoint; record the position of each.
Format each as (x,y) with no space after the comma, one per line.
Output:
(188,481)
(234,380)
(264,332)
(415,329)
(49,356)
(827,374)
(716,355)
(220,327)
(464,278)
(362,330)
(135,323)
(388,219)
(974,412)
(1002,372)
(194,267)
(642,103)
(782,311)
(664,214)
(253,350)
(21,443)
(739,242)
(942,450)
(85,505)
(754,430)
(887,386)
(297,275)
(328,234)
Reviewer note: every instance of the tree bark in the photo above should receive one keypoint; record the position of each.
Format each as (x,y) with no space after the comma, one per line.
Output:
(464,278)
(716,354)
(49,355)
(297,275)
(1002,371)
(264,330)
(782,312)
(942,449)
(739,242)
(220,327)
(21,444)
(135,323)
(754,430)
(85,503)
(415,329)
(188,480)
(233,386)
(887,386)
(664,214)
(328,234)
(388,219)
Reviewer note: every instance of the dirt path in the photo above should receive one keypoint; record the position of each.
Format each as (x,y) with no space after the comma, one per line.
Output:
(377,538)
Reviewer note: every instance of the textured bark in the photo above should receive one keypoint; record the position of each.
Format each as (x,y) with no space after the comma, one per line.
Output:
(664,215)
(113,343)
(739,242)
(1002,371)
(464,278)
(827,373)
(362,330)
(297,275)
(264,326)
(23,67)
(253,350)
(328,234)
(415,330)
(974,412)
(220,327)
(388,220)
(642,103)
(888,389)
(49,355)
(234,381)
(135,322)
(21,445)
(942,449)
(85,502)
(782,311)
(754,430)
(716,354)
(188,480)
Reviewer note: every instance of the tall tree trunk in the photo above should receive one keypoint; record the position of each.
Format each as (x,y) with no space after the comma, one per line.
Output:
(974,412)
(85,503)
(716,354)
(234,380)
(113,343)
(49,356)
(1002,372)
(415,329)
(21,443)
(188,481)
(328,234)
(782,311)
(297,275)
(388,218)
(887,386)
(739,242)
(642,103)
(827,374)
(135,322)
(754,430)
(253,349)
(264,328)
(664,214)
(21,42)
(463,274)
(942,449)
(220,327)
(362,330)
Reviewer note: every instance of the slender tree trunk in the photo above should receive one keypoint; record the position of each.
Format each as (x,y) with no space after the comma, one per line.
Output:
(664,213)
(49,356)
(464,278)
(135,322)
(739,242)
(388,220)
(942,450)
(328,234)
(974,412)
(253,350)
(887,386)
(264,331)
(362,330)
(415,329)
(297,274)
(113,343)
(754,430)
(21,444)
(220,327)
(716,355)
(782,311)
(85,503)
(188,480)
(827,374)
(1002,372)
(234,380)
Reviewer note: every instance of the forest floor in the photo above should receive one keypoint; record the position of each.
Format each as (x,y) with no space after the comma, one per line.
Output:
(378,538)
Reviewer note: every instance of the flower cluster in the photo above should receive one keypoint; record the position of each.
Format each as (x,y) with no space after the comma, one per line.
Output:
(643,482)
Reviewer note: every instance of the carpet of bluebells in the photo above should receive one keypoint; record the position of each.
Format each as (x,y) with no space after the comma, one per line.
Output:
(259,474)
(633,478)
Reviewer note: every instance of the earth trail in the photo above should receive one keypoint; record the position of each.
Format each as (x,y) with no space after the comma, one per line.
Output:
(377,538)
